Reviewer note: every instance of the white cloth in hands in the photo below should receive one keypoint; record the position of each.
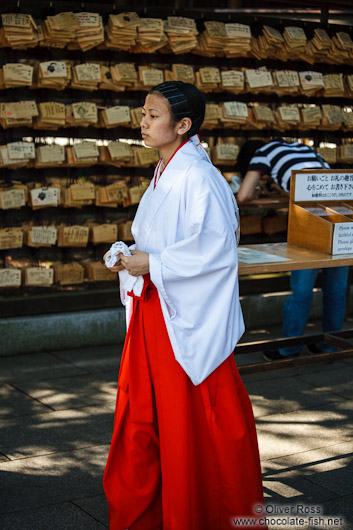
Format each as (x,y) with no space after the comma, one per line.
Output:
(129,283)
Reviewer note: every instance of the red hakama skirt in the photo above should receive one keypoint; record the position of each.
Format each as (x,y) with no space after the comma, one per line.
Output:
(182,457)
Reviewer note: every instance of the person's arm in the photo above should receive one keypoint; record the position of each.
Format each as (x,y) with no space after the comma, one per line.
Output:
(248,186)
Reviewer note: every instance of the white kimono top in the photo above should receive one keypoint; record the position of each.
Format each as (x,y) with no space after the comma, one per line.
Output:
(187,224)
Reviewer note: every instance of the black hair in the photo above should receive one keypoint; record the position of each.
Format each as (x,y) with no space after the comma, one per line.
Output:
(185,100)
(246,153)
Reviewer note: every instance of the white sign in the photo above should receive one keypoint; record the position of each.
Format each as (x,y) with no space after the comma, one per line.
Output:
(342,238)
(323,186)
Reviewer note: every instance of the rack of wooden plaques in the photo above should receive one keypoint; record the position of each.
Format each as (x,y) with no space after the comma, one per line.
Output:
(80,264)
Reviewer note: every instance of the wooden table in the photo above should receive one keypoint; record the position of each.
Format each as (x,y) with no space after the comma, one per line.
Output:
(298,259)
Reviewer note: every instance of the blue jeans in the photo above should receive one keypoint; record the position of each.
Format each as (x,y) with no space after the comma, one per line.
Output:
(297,307)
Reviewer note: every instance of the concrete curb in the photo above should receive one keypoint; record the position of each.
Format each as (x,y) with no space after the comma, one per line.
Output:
(79,329)
(60,331)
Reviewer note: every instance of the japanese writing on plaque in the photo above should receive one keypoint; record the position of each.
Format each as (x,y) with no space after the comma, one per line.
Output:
(324,186)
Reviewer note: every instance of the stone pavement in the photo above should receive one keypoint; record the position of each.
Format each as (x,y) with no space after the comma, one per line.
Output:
(56,422)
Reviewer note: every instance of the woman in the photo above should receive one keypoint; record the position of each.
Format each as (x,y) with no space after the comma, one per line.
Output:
(184,452)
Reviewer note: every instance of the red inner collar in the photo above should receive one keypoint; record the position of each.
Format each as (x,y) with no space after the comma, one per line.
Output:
(175,152)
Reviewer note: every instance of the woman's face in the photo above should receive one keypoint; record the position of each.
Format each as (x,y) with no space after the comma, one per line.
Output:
(158,129)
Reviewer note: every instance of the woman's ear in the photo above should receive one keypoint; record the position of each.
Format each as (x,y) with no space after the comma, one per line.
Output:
(184,126)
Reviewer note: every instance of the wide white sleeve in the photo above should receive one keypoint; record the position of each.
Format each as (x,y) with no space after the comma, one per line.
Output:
(197,281)
(205,255)
(207,248)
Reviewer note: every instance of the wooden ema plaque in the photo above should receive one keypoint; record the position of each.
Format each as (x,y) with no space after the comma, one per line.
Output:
(321,210)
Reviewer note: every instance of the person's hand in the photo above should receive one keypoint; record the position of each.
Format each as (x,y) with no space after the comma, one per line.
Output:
(117,267)
(138,264)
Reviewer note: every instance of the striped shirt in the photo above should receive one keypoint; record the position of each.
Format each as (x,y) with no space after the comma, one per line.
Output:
(277,159)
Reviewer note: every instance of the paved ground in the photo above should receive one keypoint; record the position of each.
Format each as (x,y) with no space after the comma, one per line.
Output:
(57,413)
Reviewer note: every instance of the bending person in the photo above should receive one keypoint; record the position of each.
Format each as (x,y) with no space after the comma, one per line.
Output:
(277,159)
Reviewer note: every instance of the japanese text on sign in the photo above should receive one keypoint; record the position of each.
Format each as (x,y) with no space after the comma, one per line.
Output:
(323,186)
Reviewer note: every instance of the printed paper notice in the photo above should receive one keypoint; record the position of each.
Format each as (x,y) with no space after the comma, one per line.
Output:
(343,210)
(320,212)
(248,255)
(342,242)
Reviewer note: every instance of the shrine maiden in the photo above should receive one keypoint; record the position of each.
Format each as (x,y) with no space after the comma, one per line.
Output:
(184,452)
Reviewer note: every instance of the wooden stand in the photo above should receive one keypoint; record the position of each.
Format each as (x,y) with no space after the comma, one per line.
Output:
(321,210)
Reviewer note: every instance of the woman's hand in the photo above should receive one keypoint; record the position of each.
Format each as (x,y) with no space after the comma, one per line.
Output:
(138,264)
(117,267)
